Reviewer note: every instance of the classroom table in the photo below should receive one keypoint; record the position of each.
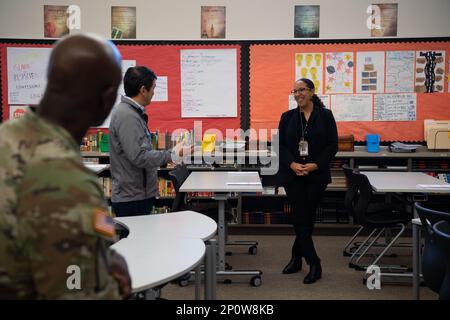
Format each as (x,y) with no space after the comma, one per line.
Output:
(162,247)
(97,168)
(222,183)
(417,186)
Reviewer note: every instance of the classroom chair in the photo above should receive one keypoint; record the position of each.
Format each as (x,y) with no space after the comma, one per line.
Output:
(432,258)
(377,218)
(350,200)
(442,231)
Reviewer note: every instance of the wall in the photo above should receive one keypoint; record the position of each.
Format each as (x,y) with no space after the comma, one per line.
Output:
(246,19)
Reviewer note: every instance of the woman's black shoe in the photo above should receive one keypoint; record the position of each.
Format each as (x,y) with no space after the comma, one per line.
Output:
(295,265)
(315,273)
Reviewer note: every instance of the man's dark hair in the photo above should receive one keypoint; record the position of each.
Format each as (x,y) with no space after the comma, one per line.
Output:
(135,78)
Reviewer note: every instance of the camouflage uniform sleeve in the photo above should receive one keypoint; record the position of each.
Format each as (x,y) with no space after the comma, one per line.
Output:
(65,231)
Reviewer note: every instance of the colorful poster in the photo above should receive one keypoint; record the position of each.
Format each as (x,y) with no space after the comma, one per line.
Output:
(27,74)
(310,65)
(307,21)
(17,111)
(399,71)
(55,21)
(339,72)
(385,20)
(123,22)
(395,107)
(213,22)
(370,72)
(348,107)
(430,71)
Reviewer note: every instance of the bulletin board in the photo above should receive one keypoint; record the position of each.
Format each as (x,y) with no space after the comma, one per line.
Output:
(274,69)
(165,60)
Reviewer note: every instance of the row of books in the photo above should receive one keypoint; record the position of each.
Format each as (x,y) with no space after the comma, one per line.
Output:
(166,188)
(106,184)
(164,140)
(92,142)
(431,164)
(338,163)
(258,217)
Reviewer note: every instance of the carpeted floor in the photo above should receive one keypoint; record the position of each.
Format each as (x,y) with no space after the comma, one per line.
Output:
(338,280)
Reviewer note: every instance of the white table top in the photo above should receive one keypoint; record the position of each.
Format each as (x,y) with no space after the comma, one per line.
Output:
(405,182)
(183,224)
(97,168)
(154,260)
(222,181)
(162,247)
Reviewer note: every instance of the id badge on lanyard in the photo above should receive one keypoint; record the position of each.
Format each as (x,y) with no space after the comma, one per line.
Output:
(303,147)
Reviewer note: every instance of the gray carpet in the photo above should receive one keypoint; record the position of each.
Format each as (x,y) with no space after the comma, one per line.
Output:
(338,281)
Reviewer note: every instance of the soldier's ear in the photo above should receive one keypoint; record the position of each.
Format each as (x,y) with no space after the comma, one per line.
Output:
(109,96)
(107,99)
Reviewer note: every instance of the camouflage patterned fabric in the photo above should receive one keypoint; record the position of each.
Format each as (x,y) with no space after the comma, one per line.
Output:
(47,222)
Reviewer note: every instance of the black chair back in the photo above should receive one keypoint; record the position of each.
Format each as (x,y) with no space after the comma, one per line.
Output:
(365,196)
(352,191)
(178,175)
(433,261)
(442,231)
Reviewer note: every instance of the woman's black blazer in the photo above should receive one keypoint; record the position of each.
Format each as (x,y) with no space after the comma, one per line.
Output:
(322,138)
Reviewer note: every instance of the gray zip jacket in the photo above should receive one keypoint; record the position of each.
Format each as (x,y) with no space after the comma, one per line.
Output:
(134,164)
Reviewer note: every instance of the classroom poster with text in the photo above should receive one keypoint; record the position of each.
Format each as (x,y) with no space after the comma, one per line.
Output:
(213,22)
(384,23)
(55,21)
(307,21)
(123,22)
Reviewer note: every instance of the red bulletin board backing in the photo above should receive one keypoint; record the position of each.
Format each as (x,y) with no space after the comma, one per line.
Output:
(272,74)
(165,61)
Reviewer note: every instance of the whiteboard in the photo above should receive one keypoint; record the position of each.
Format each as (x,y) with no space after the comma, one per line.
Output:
(208,83)
(27,74)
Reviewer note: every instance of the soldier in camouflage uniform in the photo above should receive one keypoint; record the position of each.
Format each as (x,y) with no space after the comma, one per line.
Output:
(52,212)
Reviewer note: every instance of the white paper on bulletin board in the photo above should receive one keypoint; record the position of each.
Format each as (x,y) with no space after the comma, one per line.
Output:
(120,92)
(27,74)
(161,89)
(395,107)
(356,107)
(399,71)
(208,83)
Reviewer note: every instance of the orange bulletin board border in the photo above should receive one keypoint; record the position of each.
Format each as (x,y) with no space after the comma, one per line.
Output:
(272,74)
(164,59)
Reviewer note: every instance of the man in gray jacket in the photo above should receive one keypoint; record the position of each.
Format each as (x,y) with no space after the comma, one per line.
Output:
(134,164)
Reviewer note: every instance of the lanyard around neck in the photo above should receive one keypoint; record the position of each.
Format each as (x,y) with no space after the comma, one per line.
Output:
(305,128)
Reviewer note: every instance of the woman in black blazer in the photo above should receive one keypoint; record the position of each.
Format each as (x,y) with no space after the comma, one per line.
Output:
(308,143)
